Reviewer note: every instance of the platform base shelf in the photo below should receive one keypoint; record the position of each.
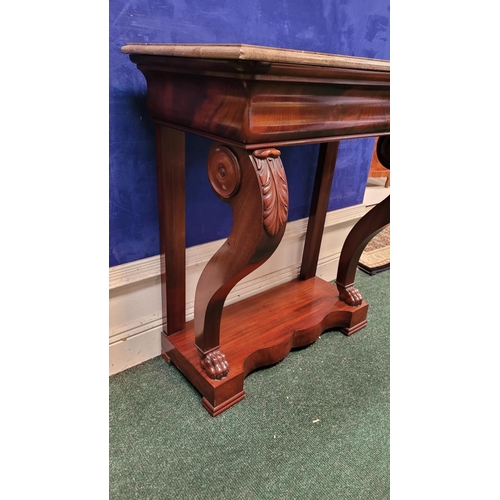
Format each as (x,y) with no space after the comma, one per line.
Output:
(261,331)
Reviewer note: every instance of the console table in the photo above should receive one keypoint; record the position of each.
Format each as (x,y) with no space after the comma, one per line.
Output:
(251,100)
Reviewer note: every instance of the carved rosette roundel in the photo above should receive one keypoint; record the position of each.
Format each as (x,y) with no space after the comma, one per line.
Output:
(274,188)
(224,171)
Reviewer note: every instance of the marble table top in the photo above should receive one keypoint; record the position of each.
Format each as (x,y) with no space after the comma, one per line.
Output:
(244,52)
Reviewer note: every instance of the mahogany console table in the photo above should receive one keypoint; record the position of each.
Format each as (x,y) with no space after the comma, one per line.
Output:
(250,100)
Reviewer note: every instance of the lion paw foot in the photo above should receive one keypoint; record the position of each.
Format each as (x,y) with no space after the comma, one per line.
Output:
(351,296)
(215,365)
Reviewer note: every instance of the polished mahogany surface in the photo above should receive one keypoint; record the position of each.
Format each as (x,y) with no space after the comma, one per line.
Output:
(260,321)
(257,96)
(250,100)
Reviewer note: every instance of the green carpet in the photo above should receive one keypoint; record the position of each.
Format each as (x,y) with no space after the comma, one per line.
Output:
(315,426)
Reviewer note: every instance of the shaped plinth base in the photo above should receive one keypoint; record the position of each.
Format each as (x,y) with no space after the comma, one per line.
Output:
(223,406)
(260,331)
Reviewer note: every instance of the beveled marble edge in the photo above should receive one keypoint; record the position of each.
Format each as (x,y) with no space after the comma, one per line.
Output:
(255,53)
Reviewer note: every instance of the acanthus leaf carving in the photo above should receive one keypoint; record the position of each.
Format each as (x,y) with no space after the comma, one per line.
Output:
(274,189)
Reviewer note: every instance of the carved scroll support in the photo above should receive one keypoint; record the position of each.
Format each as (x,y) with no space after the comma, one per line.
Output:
(363,231)
(255,186)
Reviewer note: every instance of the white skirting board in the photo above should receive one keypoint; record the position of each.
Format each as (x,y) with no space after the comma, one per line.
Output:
(135,312)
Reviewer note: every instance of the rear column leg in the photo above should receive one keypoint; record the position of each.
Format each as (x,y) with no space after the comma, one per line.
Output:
(170,159)
(319,205)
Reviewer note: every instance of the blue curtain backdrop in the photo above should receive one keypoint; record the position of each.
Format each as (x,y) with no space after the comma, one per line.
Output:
(347,27)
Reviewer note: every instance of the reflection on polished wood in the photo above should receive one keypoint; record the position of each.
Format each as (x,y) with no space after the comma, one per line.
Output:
(250,100)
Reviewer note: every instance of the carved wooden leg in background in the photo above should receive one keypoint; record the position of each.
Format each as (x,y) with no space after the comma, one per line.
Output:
(171,203)
(363,231)
(255,186)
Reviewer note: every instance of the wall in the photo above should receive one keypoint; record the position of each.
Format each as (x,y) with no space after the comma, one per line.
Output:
(348,27)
